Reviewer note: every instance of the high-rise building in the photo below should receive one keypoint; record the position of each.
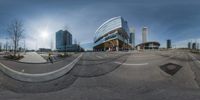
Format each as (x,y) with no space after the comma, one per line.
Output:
(189,45)
(144,34)
(169,45)
(63,40)
(132,37)
(194,45)
(197,46)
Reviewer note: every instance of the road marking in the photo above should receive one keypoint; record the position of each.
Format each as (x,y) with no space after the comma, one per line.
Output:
(99,57)
(141,64)
(41,76)
(194,58)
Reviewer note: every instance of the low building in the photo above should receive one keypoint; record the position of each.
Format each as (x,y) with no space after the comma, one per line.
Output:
(74,48)
(148,45)
(44,50)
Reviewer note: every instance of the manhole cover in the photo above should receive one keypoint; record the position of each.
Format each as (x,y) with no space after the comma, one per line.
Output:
(170,68)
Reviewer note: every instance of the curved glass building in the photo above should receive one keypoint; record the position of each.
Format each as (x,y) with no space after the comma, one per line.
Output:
(112,35)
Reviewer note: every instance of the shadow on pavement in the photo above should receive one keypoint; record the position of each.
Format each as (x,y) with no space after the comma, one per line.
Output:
(38,87)
(95,69)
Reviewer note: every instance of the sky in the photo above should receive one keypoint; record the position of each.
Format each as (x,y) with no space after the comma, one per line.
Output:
(178,20)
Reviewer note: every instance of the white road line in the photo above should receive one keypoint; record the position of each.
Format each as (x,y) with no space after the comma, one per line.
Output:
(141,64)
(41,76)
(194,58)
(99,57)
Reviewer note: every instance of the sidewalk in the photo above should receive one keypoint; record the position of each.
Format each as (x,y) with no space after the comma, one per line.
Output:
(32,57)
(38,68)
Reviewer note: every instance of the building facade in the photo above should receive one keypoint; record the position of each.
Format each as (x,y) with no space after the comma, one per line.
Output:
(144,34)
(169,45)
(132,38)
(148,45)
(194,45)
(112,35)
(189,45)
(63,40)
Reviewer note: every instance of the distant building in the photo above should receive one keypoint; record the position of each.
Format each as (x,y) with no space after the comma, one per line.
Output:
(74,48)
(197,45)
(194,45)
(189,45)
(144,34)
(169,45)
(132,37)
(148,45)
(44,50)
(63,40)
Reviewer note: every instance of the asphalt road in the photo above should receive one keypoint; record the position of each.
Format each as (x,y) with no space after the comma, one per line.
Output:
(116,76)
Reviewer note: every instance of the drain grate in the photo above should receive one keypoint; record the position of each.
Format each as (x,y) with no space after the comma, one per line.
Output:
(170,68)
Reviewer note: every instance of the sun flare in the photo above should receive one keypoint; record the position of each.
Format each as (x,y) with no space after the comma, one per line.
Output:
(44,34)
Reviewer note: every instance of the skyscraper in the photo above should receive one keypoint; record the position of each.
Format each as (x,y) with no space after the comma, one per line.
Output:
(194,45)
(144,34)
(169,45)
(132,37)
(63,40)
(189,45)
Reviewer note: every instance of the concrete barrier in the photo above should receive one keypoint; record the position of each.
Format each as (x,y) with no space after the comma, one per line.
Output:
(39,77)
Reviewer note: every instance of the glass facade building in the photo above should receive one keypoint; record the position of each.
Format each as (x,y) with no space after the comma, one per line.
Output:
(63,40)
(169,45)
(112,35)
(132,37)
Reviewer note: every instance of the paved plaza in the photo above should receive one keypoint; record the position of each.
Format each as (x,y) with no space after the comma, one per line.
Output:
(115,76)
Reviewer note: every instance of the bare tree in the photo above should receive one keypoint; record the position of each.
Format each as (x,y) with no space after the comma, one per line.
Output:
(0,47)
(15,30)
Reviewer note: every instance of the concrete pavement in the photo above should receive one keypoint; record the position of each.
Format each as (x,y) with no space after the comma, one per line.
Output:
(38,68)
(100,78)
(32,57)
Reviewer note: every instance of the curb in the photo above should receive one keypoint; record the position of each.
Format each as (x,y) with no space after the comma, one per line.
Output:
(39,77)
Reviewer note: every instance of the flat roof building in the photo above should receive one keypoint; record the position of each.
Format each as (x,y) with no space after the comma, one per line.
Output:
(63,40)
(148,45)
(169,45)
(189,45)
(132,37)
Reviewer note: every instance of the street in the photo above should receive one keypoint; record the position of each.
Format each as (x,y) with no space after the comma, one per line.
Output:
(130,75)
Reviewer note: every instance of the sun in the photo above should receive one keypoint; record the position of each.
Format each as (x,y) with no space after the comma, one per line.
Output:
(44,34)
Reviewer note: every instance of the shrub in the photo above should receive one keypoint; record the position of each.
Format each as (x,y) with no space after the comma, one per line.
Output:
(12,57)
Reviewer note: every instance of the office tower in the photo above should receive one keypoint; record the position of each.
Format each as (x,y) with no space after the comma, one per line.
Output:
(144,34)
(194,45)
(63,40)
(169,45)
(189,45)
(132,37)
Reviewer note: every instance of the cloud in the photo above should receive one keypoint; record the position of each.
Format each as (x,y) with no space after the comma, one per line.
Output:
(184,43)
(176,20)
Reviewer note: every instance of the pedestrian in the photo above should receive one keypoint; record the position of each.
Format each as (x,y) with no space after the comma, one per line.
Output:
(50,58)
